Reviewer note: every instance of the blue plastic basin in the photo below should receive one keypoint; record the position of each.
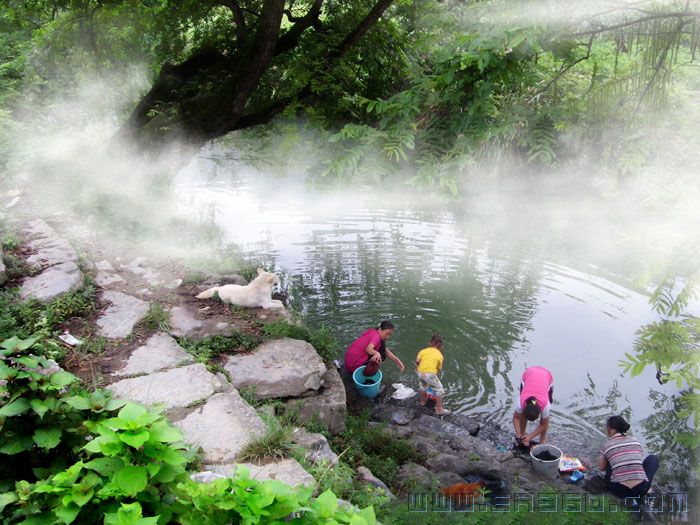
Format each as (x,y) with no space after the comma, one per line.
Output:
(370,390)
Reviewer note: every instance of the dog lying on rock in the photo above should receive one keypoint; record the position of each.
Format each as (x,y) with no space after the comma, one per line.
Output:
(257,294)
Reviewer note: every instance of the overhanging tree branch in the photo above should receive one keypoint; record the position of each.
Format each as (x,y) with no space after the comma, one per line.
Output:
(290,39)
(266,114)
(239,19)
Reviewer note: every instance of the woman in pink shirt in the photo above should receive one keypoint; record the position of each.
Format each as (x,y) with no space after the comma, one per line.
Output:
(536,388)
(369,349)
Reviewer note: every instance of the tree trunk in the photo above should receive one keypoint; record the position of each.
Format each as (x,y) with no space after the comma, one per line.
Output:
(206,95)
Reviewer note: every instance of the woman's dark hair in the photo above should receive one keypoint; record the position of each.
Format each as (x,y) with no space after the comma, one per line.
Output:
(436,341)
(386,325)
(531,410)
(618,424)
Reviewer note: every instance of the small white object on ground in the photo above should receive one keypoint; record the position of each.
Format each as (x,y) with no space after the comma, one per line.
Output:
(402,391)
(68,338)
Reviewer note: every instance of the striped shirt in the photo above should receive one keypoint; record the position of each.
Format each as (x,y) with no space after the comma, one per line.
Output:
(624,455)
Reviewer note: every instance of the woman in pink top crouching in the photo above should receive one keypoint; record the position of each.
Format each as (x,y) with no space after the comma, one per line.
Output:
(369,349)
(534,400)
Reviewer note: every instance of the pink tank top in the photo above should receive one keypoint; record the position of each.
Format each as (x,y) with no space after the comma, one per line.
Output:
(536,382)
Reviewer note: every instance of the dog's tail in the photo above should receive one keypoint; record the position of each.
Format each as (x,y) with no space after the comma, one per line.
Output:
(208,294)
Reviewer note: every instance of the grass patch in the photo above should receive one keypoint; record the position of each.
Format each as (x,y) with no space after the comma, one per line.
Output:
(321,339)
(157,318)
(34,317)
(210,347)
(373,446)
(276,443)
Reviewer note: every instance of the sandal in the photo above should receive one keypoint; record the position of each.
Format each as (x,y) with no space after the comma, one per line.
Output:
(444,412)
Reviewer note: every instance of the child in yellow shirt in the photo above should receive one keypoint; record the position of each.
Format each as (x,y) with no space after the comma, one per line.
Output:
(428,365)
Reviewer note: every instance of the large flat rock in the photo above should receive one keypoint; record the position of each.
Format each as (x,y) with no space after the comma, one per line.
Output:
(280,368)
(53,282)
(118,320)
(288,471)
(176,388)
(222,427)
(328,407)
(49,248)
(159,353)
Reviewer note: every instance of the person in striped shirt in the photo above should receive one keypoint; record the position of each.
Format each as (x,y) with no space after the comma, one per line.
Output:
(626,475)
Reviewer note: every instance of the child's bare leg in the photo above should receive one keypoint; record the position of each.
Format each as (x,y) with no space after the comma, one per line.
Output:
(423,397)
(438,404)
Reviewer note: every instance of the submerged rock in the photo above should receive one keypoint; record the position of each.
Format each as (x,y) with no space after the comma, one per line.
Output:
(281,368)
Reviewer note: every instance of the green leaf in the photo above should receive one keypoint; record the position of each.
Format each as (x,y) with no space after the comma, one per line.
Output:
(47,438)
(131,479)
(61,379)
(136,439)
(15,408)
(6,498)
(105,466)
(17,445)
(78,402)
(131,411)
(29,362)
(326,504)
(41,406)
(68,513)
(164,432)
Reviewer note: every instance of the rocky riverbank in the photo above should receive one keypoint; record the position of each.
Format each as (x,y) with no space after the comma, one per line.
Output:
(153,363)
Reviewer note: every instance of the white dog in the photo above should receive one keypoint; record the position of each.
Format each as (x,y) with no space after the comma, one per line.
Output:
(256,294)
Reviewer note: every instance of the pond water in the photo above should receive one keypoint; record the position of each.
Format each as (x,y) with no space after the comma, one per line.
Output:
(510,277)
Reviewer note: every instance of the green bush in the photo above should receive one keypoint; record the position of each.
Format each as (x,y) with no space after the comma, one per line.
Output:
(67,456)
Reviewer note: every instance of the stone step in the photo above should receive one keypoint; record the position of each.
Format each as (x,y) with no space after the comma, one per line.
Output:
(222,427)
(159,353)
(119,319)
(176,388)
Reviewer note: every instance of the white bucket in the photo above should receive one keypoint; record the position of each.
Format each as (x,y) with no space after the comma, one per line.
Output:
(548,468)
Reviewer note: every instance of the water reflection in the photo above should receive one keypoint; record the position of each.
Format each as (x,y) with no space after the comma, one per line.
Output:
(506,289)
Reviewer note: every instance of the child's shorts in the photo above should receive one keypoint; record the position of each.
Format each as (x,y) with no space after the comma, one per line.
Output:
(428,379)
